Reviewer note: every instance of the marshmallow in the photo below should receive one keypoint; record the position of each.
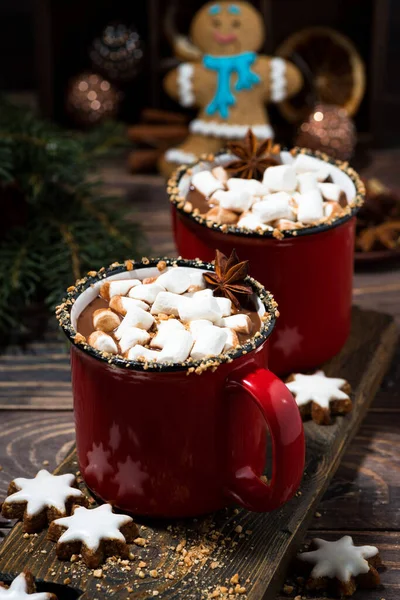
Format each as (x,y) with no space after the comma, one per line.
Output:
(165,330)
(225,306)
(232,339)
(220,174)
(206,183)
(306,182)
(133,336)
(135,317)
(280,178)
(121,304)
(252,222)
(332,209)
(210,343)
(148,292)
(168,303)
(331,192)
(197,327)
(206,293)
(310,207)
(104,319)
(177,347)
(144,354)
(175,280)
(103,342)
(197,279)
(303,163)
(120,287)
(285,224)
(222,216)
(252,186)
(200,308)
(234,200)
(275,206)
(240,323)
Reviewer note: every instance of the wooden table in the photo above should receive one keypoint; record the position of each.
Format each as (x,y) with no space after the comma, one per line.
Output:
(364,496)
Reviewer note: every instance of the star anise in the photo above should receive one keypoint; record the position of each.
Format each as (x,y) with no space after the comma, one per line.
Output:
(229,276)
(252,157)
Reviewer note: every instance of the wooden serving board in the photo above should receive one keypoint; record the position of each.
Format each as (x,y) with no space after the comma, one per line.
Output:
(258,547)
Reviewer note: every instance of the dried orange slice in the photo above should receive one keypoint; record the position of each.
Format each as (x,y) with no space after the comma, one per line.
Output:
(337,69)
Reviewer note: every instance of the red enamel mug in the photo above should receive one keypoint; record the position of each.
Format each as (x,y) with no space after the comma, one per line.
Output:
(310,273)
(161,441)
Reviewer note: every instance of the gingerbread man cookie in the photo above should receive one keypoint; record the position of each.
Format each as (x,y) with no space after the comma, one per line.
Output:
(230,83)
(95,533)
(320,396)
(341,565)
(23,588)
(40,500)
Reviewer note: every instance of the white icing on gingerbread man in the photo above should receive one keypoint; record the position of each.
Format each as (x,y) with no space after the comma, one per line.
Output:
(44,491)
(90,526)
(340,559)
(18,590)
(317,388)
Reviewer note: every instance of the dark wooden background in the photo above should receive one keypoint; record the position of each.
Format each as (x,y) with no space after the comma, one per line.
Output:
(36,422)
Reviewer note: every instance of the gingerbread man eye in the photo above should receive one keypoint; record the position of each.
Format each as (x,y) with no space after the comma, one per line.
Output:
(217,22)
(236,23)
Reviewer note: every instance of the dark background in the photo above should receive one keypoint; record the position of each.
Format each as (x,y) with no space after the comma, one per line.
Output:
(44,42)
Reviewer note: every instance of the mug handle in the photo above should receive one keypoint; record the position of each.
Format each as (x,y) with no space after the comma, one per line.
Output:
(283,420)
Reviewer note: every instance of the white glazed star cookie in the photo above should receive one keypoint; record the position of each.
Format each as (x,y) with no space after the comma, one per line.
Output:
(342,565)
(23,587)
(95,533)
(40,500)
(320,396)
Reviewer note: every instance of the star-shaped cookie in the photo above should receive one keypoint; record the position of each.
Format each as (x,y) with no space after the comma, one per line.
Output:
(320,396)
(23,587)
(40,500)
(95,533)
(341,565)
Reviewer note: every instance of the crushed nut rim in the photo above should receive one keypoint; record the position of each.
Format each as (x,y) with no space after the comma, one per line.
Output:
(352,209)
(63,314)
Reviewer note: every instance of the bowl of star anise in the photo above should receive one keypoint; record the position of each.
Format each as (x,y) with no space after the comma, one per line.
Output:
(293,215)
(378,225)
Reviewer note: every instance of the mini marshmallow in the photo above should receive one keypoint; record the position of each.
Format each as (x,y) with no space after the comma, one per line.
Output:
(232,339)
(307,181)
(120,287)
(206,183)
(147,292)
(240,323)
(220,174)
(332,209)
(103,342)
(310,207)
(275,206)
(168,303)
(225,306)
(197,279)
(200,308)
(175,280)
(285,224)
(104,319)
(280,178)
(206,293)
(142,354)
(197,327)
(121,304)
(234,200)
(135,317)
(133,336)
(252,186)
(177,347)
(210,343)
(331,192)
(165,330)
(303,163)
(222,216)
(252,222)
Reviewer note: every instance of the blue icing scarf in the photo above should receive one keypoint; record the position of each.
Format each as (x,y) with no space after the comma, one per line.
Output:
(225,66)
